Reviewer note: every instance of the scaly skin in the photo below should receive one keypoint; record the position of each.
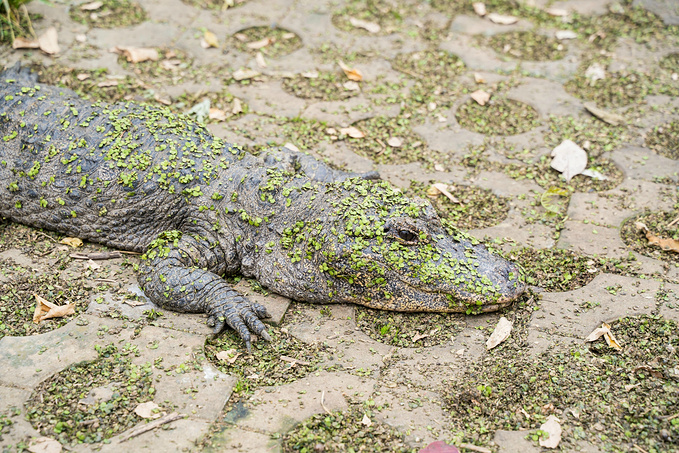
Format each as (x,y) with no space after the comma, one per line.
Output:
(140,178)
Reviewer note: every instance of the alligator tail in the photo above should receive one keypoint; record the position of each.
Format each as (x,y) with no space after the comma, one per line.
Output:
(21,74)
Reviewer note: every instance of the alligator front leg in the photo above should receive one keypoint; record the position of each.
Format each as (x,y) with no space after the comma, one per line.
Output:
(175,273)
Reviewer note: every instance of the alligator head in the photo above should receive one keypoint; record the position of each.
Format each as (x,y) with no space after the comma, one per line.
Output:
(368,244)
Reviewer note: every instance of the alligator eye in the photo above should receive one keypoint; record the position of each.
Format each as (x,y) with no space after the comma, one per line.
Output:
(407,236)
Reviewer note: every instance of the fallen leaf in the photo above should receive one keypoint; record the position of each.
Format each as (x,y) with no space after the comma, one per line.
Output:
(82,76)
(594,174)
(557,12)
(310,74)
(352,132)
(44,445)
(291,147)
(91,265)
(554,199)
(366,420)
(261,43)
(604,331)
(419,336)
(165,101)
(501,19)
(107,83)
(350,85)
(668,245)
(569,159)
(479,8)
(351,73)
(237,106)
(439,167)
(48,41)
(502,331)
(134,302)
(611,118)
(228,356)
(45,309)
(439,447)
(200,110)
(241,37)
(288,35)
(148,409)
(565,34)
(395,142)
(480,96)
(208,40)
(371,27)
(73,242)
(440,188)
(432,106)
(595,72)
(170,64)
(91,6)
(478,78)
(217,114)
(23,43)
(81,38)
(137,54)
(553,429)
(259,58)
(244,74)
(441,118)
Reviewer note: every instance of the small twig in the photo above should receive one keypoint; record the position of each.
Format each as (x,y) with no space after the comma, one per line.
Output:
(47,236)
(672,417)
(638,448)
(30,24)
(673,221)
(323,404)
(475,448)
(96,255)
(149,426)
(294,361)
(411,73)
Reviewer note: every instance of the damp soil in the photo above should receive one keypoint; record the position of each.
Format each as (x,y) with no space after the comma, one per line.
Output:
(500,116)
(112,14)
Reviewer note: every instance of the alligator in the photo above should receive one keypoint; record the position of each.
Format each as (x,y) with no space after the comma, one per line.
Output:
(141,178)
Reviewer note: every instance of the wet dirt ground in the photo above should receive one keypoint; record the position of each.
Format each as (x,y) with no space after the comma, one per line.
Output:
(345,378)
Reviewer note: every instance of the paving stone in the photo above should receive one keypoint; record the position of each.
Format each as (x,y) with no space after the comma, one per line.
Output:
(514,442)
(667,10)
(244,440)
(566,313)
(592,239)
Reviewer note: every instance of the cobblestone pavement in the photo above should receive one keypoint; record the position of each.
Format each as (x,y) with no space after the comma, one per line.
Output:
(400,381)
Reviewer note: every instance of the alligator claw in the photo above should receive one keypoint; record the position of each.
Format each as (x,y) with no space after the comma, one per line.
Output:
(244,317)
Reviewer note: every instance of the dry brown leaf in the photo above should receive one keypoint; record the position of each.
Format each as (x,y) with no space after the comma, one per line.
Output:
(350,85)
(148,409)
(502,331)
(310,74)
(23,43)
(259,58)
(82,76)
(481,97)
(228,356)
(107,83)
(261,43)
(237,106)
(243,74)
(478,78)
(557,12)
(44,445)
(162,100)
(137,54)
(241,37)
(352,132)
(395,142)
(604,331)
(366,420)
(217,114)
(501,19)
(170,64)
(480,8)
(371,27)
(668,245)
(91,6)
(45,309)
(565,34)
(134,302)
(291,147)
(49,41)
(351,73)
(604,115)
(73,242)
(419,336)
(208,40)
(439,188)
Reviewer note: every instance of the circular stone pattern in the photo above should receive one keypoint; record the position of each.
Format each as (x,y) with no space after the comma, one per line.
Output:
(325,86)
(657,223)
(343,431)
(112,14)
(272,42)
(499,116)
(616,90)
(528,45)
(381,134)
(93,401)
(475,207)
(664,140)
(220,5)
(429,64)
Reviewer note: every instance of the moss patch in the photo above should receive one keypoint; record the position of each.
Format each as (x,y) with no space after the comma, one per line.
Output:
(477,207)
(658,224)
(112,14)
(66,406)
(281,41)
(670,62)
(328,86)
(628,398)
(616,90)
(219,5)
(434,65)
(527,45)
(664,140)
(389,15)
(343,431)
(409,330)
(500,116)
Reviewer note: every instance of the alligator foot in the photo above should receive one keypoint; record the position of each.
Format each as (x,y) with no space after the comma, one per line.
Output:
(241,315)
